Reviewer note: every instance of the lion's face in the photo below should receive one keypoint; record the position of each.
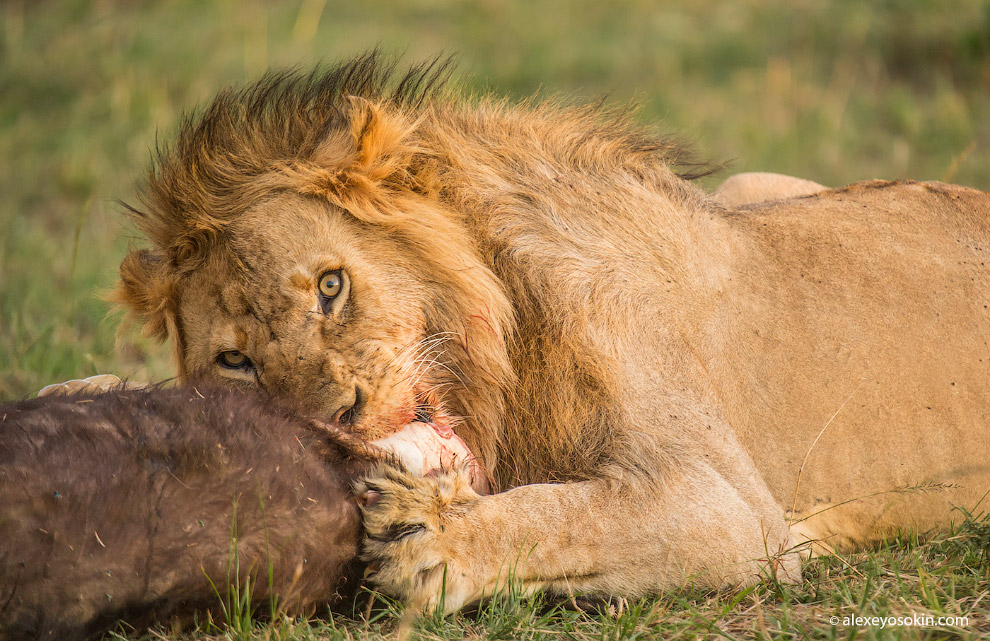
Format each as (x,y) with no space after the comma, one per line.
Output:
(304,301)
(302,242)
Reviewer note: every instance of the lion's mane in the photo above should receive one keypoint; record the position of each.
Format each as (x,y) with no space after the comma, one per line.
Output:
(397,151)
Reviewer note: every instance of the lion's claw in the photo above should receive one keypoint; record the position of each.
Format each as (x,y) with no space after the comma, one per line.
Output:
(407,537)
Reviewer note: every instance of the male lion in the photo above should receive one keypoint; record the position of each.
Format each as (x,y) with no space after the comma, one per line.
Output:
(662,388)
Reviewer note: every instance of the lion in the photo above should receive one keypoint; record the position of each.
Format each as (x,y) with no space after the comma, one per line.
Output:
(662,387)
(754,187)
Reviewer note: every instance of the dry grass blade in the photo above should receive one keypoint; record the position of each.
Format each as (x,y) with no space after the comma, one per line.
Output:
(807,455)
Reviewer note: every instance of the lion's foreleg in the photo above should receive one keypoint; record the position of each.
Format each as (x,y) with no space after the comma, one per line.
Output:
(432,539)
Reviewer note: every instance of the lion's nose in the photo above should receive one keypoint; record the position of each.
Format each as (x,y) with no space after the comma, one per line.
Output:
(349,412)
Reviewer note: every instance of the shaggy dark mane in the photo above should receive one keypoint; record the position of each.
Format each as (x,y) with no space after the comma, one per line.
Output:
(196,183)
(211,172)
(304,107)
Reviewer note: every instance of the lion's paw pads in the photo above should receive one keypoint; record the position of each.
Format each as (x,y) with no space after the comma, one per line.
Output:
(406,520)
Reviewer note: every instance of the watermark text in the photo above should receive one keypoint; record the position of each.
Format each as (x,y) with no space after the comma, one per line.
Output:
(914,620)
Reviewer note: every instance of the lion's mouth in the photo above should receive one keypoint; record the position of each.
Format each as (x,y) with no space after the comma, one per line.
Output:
(424,413)
(428,445)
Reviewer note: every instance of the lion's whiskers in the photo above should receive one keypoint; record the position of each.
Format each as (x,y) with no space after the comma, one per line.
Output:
(423,344)
(422,359)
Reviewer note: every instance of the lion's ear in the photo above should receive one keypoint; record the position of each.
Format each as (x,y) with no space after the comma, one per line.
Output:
(375,147)
(375,134)
(382,140)
(145,290)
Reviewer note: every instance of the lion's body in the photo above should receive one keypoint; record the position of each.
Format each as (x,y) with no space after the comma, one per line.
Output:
(868,304)
(647,368)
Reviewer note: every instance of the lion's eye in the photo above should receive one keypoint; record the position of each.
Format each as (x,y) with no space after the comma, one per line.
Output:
(332,290)
(233,360)
(331,283)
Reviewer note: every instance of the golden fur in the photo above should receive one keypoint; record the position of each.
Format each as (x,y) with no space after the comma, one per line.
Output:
(648,374)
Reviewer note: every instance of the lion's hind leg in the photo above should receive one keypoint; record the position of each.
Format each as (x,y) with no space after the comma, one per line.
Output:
(754,187)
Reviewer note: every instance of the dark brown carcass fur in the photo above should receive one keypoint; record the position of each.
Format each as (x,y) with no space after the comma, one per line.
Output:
(127,505)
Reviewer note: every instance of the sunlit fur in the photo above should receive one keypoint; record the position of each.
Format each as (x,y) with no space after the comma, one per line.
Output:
(585,314)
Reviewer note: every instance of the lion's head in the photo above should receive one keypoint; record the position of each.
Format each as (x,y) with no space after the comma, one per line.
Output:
(295,251)
(328,238)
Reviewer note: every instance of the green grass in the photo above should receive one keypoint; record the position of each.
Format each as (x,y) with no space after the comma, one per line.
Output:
(945,577)
(833,91)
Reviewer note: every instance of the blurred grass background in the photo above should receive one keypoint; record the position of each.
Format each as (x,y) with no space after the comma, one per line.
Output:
(835,91)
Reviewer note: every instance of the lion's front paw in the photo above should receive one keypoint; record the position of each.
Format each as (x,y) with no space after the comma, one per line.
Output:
(409,541)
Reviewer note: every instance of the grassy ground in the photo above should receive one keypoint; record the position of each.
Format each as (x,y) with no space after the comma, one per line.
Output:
(835,91)
(904,579)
